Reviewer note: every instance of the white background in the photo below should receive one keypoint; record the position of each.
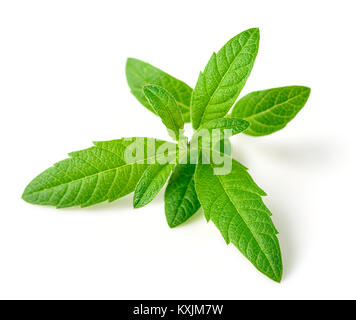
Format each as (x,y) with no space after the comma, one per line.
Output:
(62,85)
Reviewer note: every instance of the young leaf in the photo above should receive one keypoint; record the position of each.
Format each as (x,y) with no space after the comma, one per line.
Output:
(233,202)
(270,110)
(180,198)
(92,175)
(223,78)
(234,124)
(214,142)
(139,74)
(166,108)
(151,183)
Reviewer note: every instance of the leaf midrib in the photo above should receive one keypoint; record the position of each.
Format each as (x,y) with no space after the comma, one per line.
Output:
(183,105)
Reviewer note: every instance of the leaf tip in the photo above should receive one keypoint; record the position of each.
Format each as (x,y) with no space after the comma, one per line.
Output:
(137,203)
(130,60)
(256,30)
(308,90)
(24,197)
(277,272)
(277,277)
(170,224)
(278,280)
(28,196)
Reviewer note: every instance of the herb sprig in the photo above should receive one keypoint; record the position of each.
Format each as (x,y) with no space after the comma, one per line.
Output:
(112,169)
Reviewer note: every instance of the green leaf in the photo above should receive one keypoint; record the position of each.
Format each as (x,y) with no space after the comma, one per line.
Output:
(233,202)
(234,124)
(180,199)
(223,78)
(95,174)
(212,139)
(270,110)
(139,74)
(151,183)
(166,108)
